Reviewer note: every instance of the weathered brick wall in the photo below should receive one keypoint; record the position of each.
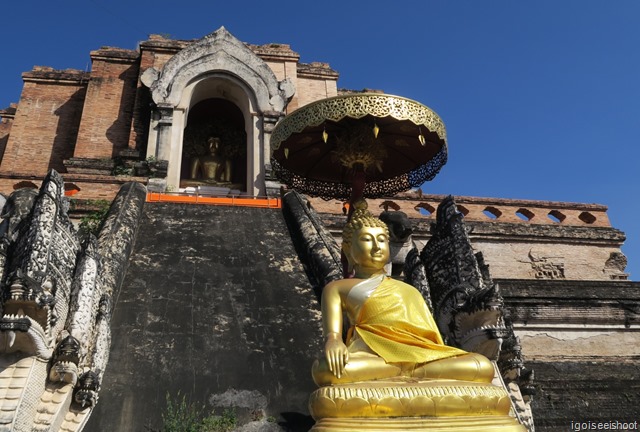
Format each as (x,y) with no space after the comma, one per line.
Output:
(88,186)
(563,320)
(283,61)
(90,189)
(6,121)
(286,69)
(311,90)
(315,81)
(290,69)
(106,118)
(46,124)
(538,258)
(141,115)
(525,212)
(155,53)
(581,340)
(586,391)
(580,246)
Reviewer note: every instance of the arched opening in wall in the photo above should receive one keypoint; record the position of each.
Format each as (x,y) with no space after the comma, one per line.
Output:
(25,184)
(70,189)
(492,212)
(386,205)
(556,216)
(525,214)
(462,209)
(587,217)
(214,151)
(425,209)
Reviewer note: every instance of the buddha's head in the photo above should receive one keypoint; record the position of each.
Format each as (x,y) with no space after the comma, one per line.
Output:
(365,240)
(214,145)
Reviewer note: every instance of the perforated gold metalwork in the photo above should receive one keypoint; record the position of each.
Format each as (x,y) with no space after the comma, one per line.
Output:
(357,106)
(374,189)
(398,143)
(360,146)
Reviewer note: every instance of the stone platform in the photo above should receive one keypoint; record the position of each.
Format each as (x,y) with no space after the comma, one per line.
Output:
(413,405)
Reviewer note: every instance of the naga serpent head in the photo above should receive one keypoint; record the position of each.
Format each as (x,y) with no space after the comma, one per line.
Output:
(27,315)
(400,227)
(66,358)
(87,392)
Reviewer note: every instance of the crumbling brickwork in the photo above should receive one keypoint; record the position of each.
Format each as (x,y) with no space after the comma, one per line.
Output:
(581,339)
(46,122)
(315,81)
(106,113)
(154,52)
(87,187)
(6,121)
(106,118)
(579,244)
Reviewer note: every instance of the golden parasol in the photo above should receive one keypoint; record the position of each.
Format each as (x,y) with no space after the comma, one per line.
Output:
(358,145)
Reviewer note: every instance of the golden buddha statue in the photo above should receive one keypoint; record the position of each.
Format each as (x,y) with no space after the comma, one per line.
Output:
(394,366)
(212,168)
(392,332)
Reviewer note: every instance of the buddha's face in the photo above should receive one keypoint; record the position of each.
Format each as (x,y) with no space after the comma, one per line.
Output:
(369,248)
(214,145)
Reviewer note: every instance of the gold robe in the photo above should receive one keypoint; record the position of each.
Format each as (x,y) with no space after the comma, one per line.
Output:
(395,323)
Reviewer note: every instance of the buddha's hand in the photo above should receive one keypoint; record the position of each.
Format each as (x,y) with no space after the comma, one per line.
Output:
(336,353)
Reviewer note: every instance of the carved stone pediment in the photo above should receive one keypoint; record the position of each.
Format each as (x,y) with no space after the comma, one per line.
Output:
(218,52)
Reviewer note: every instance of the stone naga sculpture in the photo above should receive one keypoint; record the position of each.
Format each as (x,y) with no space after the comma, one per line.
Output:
(468,306)
(56,306)
(400,242)
(83,350)
(394,369)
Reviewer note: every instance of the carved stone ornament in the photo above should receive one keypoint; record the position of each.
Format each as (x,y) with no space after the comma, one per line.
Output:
(468,306)
(56,308)
(545,267)
(219,51)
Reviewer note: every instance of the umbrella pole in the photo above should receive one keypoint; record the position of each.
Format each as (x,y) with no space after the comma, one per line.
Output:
(357,192)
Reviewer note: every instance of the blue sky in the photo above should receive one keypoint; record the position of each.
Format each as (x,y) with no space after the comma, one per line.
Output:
(541,99)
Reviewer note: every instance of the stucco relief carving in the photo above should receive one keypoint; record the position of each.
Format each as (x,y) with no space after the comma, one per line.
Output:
(546,267)
(219,52)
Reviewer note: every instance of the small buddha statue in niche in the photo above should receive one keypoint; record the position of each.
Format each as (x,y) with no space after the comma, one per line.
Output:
(212,167)
(392,333)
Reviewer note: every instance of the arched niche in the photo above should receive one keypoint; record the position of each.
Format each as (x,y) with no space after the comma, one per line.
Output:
(214,118)
(218,94)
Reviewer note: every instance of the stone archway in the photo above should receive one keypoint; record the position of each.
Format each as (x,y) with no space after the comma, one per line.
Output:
(216,66)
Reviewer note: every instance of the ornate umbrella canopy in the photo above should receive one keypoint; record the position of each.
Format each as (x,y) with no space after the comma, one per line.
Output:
(396,143)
